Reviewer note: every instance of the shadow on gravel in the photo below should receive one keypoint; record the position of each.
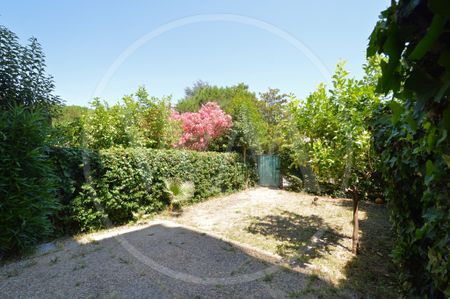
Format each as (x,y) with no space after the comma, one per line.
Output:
(370,273)
(178,263)
(296,231)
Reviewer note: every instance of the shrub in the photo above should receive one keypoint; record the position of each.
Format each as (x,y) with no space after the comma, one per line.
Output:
(121,182)
(27,180)
(179,192)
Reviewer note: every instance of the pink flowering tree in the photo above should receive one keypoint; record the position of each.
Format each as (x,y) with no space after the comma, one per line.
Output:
(199,128)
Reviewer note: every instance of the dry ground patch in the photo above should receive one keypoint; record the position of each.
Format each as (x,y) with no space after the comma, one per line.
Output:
(286,224)
(212,246)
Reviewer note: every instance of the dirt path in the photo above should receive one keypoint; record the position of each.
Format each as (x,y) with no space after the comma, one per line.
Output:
(259,243)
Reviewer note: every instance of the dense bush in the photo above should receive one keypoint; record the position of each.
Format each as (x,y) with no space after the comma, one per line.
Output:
(411,134)
(27,181)
(121,182)
(134,121)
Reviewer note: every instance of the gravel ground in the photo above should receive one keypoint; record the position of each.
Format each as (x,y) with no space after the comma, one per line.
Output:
(191,256)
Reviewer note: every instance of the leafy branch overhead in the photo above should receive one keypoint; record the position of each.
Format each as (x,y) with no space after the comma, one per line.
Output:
(411,136)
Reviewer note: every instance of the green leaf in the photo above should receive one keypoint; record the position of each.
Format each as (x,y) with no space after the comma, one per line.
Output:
(445,122)
(393,45)
(421,232)
(429,171)
(446,159)
(397,110)
(433,33)
(421,82)
(411,122)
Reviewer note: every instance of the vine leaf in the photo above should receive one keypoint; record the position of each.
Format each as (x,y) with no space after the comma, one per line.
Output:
(433,33)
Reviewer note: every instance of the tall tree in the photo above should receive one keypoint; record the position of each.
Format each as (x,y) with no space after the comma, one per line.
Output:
(330,129)
(249,128)
(273,107)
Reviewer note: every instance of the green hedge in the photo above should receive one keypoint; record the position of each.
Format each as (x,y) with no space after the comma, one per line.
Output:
(115,183)
(69,166)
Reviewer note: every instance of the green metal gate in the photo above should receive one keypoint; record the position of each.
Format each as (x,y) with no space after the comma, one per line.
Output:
(269,170)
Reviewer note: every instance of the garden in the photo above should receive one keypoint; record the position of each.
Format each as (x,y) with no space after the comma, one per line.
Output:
(165,193)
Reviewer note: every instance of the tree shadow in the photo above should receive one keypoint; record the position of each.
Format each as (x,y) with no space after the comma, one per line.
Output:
(296,232)
(370,273)
(373,263)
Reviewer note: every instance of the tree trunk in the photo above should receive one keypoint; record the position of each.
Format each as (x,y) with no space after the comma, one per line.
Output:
(245,161)
(355,238)
(245,154)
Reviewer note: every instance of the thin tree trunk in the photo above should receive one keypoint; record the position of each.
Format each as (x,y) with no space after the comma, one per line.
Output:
(245,154)
(245,161)
(355,238)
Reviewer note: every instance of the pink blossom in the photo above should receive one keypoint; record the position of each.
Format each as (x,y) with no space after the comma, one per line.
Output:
(200,128)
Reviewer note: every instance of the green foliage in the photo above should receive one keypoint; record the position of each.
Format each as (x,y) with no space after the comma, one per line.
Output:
(106,126)
(27,181)
(22,73)
(411,135)
(179,192)
(273,107)
(68,126)
(249,128)
(203,93)
(327,136)
(117,183)
(159,130)
(133,122)
(69,114)
(72,168)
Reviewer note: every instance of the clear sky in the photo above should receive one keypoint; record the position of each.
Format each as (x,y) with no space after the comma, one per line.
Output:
(82,40)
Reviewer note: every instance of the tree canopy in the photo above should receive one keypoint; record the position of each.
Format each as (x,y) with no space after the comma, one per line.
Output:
(328,132)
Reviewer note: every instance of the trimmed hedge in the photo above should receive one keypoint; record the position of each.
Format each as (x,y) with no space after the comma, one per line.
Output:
(69,167)
(116,183)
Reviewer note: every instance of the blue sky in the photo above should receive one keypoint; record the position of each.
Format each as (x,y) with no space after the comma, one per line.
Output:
(83,39)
